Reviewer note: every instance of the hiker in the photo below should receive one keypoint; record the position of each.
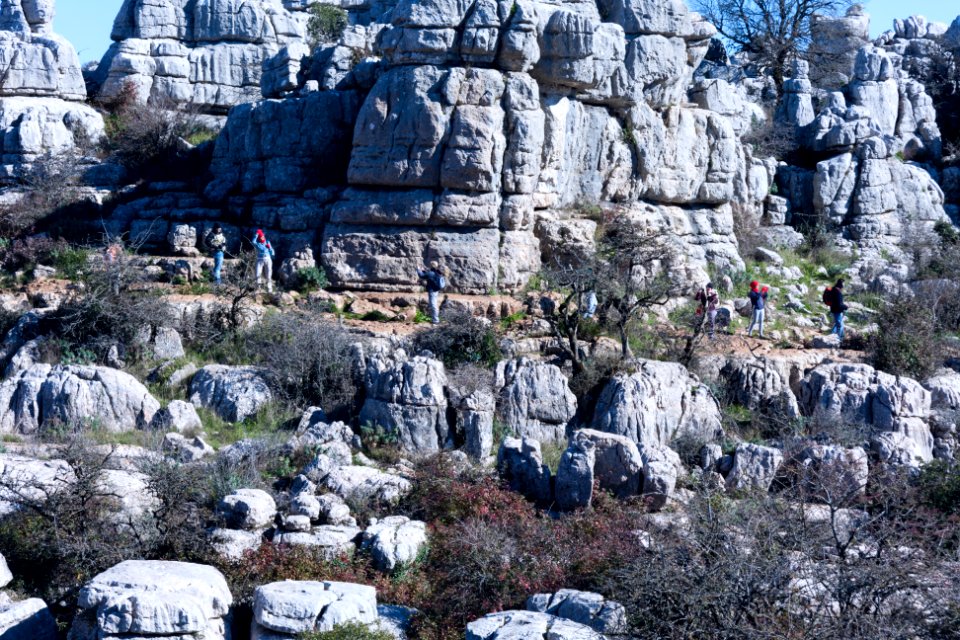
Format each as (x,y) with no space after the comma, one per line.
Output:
(758,298)
(590,307)
(217,244)
(837,307)
(111,259)
(709,301)
(264,259)
(435,283)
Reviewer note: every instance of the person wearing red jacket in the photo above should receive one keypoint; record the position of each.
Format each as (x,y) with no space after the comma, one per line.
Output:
(758,298)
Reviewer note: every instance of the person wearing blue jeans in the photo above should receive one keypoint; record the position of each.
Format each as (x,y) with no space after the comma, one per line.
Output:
(217,243)
(758,298)
(838,308)
(435,282)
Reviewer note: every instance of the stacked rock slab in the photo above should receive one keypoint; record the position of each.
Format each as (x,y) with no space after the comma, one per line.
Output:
(156,599)
(206,53)
(289,608)
(42,89)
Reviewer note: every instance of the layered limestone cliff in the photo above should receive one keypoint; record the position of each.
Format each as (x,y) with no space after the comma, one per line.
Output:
(41,89)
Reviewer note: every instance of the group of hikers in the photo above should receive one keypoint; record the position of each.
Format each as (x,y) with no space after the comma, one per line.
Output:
(709,301)
(434,279)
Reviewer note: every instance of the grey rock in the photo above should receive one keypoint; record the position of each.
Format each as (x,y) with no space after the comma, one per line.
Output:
(248,509)
(30,481)
(6,577)
(575,473)
(27,619)
(293,607)
(406,397)
(768,255)
(333,510)
(586,608)
(534,400)
(234,393)
(521,464)
(332,541)
(186,449)
(394,541)
(233,544)
(658,403)
(154,597)
(754,467)
(74,395)
(179,416)
(661,468)
(618,466)
(475,413)
(528,625)
(362,484)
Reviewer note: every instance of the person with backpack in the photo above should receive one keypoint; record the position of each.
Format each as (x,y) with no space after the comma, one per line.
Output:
(216,244)
(709,301)
(265,255)
(435,282)
(834,298)
(758,298)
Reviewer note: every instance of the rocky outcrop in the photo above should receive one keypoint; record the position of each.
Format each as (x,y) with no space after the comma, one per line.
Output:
(528,625)
(575,473)
(583,607)
(662,401)
(520,463)
(30,618)
(74,396)
(233,393)
(394,541)
(754,467)
(894,410)
(248,509)
(359,485)
(41,96)
(154,598)
(208,54)
(405,397)
(294,607)
(534,400)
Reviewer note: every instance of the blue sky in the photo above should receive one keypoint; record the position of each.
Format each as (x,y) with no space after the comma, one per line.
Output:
(88,28)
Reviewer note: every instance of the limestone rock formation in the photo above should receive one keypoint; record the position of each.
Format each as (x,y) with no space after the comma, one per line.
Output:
(41,95)
(660,402)
(394,541)
(234,393)
(206,53)
(292,607)
(528,625)
(520,463)
(154,598)
(583,607)
(28,618)
(535,400)
(74,395)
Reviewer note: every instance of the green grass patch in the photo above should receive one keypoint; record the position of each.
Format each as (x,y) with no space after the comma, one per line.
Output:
(221,433)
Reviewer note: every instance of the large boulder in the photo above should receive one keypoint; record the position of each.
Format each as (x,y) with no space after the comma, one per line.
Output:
(248,509)
(358,485)
(528,625)
(661,402)
(26,619)
(856,394)
(520,462)
(299,606)
(233,393)
(618,466)
(394,541)
(754,466)
(6,577)
(25,481)
(575,473)
(590,609)
(406,397)
(535,400)
(140,598)
(94,397)
(661,469)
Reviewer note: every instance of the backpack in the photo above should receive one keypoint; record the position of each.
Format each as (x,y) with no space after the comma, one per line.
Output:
(828,296)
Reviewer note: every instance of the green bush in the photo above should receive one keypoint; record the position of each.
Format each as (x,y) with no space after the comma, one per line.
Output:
(348,631)
(312,279)
(71,262)
(461,339)
(906,341)
(326,23)
(940,484)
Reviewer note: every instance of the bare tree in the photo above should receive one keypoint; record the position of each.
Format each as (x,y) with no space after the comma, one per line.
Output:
(626,276)
(773,32)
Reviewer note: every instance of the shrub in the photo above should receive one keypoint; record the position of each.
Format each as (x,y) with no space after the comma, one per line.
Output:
(906,341)
(326,23)
(312,279)
(939,482)
(349,631)
(460,339)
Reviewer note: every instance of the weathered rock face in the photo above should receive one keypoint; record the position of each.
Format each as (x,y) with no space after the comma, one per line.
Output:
(754,467)
(208,53)
(395,541)
(28,618)
(44,395)
(535,400)
(521,464)
(234,393)
(590,609)
(575,473)
(895,410)
(406,397)
(154,598)
(293,607)
(660,402)
(528,625)
(42,90)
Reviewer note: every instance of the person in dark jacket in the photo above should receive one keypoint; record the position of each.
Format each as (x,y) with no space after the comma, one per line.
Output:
(838,308)
(434,280)
(758,298)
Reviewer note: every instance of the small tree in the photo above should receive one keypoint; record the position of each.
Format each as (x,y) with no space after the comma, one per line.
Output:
(326,23)
(626,274)
(773,32)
